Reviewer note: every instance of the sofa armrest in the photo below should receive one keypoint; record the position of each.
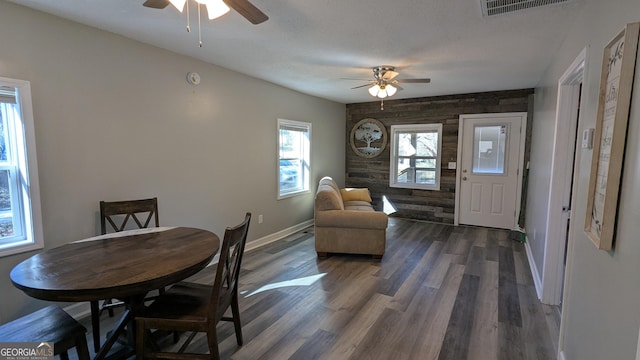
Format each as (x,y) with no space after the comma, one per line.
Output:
(351,219)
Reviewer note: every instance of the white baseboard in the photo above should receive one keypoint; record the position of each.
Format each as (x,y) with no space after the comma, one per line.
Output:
(252,245)
(78,310)
(534,270)
(82,309)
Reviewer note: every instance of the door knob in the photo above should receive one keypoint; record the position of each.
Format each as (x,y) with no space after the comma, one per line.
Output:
(464,178)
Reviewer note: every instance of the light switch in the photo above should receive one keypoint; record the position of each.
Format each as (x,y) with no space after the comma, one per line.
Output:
(587,138)
(452,165)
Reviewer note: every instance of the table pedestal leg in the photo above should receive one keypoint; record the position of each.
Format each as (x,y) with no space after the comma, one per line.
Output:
(126,325)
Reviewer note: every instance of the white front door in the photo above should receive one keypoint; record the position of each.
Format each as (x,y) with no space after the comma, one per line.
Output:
(490,154)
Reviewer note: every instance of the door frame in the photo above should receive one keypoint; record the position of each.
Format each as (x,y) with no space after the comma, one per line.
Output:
(523,133)
(567,120)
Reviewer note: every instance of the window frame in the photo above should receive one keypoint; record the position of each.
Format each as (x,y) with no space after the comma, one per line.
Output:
(305,158)
(393,159)
(25,197)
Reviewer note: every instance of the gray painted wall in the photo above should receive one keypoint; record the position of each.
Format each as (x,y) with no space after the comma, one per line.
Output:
(116,119)
(601,317)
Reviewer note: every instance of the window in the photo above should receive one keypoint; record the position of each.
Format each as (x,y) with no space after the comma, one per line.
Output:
(489,146)
(20,220)
(415,156)
(294,147)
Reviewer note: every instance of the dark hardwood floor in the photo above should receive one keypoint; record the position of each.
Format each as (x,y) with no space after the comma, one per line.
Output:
(440,292)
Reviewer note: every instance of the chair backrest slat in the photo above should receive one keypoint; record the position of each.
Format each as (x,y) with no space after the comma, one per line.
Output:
(112,211)
(225,286)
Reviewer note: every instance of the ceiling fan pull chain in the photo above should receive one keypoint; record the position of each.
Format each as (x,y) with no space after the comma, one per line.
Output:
(188,25)
(381,104)
(199,31)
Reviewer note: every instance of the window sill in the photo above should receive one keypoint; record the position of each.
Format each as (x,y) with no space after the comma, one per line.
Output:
(292,194)
(416,187)
(13,249)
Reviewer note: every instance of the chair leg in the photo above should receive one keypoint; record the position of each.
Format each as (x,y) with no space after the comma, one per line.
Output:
(140,333)
(81,348)
(95,324)
(212,338)
(237,324)
(109,309)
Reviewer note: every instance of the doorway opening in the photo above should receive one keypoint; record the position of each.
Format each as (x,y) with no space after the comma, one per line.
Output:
(561,192)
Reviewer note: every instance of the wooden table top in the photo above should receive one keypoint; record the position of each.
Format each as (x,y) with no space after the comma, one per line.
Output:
(118,265)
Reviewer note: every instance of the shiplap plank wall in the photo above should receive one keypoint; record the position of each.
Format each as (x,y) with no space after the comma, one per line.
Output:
(373,173)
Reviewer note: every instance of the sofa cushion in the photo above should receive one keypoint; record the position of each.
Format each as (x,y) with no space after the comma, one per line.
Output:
(358,205)
(352,219)
(351,194)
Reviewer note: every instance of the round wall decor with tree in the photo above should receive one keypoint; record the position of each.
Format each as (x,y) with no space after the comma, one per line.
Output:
(368,138)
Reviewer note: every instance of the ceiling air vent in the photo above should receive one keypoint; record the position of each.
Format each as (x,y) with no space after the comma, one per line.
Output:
(499,7)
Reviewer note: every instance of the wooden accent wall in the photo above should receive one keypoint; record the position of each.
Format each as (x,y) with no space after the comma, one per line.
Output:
(437,206)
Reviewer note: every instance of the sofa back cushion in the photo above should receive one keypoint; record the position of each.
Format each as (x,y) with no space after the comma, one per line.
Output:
(328,196)
(330,182)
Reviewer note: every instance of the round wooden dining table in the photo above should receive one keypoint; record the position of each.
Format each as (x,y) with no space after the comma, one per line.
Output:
(124,265)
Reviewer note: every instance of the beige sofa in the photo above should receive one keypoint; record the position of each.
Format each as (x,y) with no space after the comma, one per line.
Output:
(351,226)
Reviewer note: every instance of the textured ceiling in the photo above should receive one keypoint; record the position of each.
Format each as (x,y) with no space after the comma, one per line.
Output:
(313,46)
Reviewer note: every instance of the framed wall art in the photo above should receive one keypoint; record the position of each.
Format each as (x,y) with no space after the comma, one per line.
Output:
(368,138)
(616,83)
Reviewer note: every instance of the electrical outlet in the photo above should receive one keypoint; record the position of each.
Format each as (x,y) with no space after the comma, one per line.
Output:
(260,219)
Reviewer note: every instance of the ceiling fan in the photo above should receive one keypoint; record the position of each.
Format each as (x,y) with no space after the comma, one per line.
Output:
(385,84)
(243,7)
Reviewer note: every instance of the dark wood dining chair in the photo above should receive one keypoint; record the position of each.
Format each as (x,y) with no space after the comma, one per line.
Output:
(195,307)
(120,216)
(50,324)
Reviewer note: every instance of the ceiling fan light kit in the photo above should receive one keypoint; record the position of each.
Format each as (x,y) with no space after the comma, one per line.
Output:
(178,4)
(215,9)
(385,84)
(242,7)
(382,91)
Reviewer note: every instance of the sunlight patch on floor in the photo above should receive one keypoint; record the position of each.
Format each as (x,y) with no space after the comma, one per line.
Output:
(305,281)
(387,206)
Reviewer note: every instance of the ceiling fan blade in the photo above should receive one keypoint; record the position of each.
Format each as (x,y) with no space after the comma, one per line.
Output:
(248,10)
(389,74)
(414,81)
(395,84)
(156,4)
(361,86)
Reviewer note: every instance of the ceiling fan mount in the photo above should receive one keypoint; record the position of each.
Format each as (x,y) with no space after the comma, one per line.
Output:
(385,83)
(380,71)
(384,76)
